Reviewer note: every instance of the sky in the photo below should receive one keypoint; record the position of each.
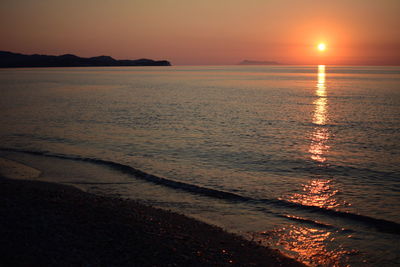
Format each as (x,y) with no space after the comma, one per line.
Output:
(207,32)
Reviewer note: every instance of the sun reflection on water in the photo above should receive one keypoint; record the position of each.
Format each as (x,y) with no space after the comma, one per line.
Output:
(310,244)
(320,135)
(321,89)
(319,145)
(318,193)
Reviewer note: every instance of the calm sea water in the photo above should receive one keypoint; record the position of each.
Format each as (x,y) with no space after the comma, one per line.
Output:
(302,158)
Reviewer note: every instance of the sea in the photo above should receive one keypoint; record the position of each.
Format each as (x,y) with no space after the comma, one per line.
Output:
(303,159)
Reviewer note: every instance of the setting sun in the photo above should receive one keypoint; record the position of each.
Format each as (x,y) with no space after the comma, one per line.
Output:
(321,47)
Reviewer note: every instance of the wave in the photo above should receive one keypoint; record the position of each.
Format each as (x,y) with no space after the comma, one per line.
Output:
(380,225)
(307,221)
(142,175)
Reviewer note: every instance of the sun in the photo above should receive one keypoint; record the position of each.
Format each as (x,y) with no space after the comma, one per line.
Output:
(321,47)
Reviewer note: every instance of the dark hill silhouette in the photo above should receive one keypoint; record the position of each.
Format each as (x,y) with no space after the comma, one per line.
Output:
(15,60)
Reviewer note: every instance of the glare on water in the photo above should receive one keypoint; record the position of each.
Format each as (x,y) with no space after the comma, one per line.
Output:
(311,243)
(320,136)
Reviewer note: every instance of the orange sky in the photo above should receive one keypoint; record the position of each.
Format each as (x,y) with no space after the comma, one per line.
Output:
(206,31)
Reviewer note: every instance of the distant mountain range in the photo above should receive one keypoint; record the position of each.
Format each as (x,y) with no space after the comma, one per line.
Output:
(15,60)
(254,62)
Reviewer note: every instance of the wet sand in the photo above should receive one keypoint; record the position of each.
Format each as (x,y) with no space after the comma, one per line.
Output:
(45,224)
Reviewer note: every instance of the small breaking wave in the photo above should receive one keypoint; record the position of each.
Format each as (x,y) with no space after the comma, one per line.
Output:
(380,225)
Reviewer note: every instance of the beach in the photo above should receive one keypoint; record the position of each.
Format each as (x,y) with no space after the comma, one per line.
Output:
(48,224)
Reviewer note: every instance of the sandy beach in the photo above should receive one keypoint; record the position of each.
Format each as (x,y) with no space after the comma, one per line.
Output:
(47,224)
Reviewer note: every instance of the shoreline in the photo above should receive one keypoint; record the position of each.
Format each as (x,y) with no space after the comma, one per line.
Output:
(54,224)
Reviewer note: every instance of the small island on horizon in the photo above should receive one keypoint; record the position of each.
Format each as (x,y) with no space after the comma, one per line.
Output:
(16,60)
(256,62)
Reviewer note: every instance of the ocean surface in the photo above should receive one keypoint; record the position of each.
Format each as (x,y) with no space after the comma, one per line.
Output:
(305,159)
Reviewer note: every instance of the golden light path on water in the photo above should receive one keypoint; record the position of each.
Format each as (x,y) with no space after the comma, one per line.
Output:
(320,136)
(318,192)
(309,244)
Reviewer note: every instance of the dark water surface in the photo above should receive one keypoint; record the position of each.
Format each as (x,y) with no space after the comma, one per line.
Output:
(303,158)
